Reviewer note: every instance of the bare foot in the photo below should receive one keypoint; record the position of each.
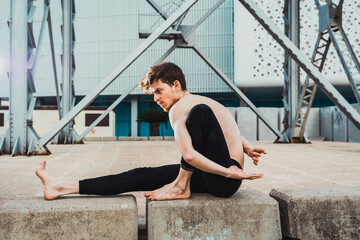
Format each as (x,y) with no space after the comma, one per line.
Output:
(169,192)
(53,187)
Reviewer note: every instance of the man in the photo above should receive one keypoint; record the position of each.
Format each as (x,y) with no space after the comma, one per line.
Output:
(208,138)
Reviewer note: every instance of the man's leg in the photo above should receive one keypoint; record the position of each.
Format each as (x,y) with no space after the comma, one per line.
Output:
(139,179)
(208,139)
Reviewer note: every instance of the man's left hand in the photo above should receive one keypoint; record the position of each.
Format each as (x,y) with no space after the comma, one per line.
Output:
(255,153)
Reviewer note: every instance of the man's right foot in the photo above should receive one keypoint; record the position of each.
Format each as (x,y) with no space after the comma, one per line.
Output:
(52,186)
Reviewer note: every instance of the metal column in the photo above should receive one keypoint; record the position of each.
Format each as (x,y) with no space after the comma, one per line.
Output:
(68,134)
(291,69)
(134,115)
(21,138)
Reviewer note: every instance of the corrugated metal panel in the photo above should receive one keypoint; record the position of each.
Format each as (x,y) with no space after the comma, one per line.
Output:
(107,32)
(4,48)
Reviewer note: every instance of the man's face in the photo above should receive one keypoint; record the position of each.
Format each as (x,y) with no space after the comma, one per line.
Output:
(164,95)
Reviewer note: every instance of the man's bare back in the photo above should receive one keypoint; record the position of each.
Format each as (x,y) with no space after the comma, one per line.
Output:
(227,123)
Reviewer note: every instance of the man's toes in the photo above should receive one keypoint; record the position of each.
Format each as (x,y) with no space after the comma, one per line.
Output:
(147,194)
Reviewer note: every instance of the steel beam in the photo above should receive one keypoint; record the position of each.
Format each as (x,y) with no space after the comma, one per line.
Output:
(117,71)
(67,65)
(349,70)
(304,63)
(18,76)
(20,135)
(291,69)
(53,61)
(122,97)
(134,115)
(32,61)
(308,90)
(158,9)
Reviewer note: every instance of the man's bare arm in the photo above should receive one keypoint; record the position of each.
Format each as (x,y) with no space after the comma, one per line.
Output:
(252,152)
(193,157)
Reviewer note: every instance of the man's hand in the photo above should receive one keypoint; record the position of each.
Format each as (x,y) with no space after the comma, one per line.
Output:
(237,173)
(255,153)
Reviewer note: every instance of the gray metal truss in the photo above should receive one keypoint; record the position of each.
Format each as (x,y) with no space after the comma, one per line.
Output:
(304,63)
(291,68)
(21,138)
(186,39)
(117,71)
(68,135)
(330,30)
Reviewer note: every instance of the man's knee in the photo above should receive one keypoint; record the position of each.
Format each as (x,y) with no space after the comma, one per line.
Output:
(200,111)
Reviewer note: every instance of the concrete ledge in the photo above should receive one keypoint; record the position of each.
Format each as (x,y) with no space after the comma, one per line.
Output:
(249,214)
(156,138)
(319,212)
(93,139)
(132,138)
(70,218)
(109,139)
(169,138)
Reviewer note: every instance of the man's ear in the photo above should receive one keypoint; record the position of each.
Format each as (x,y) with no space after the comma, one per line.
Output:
(177,85)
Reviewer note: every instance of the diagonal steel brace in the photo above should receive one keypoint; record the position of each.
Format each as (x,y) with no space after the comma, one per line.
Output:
(117,71)
(304,63)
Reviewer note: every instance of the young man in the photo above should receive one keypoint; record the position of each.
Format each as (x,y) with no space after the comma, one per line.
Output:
(208,138)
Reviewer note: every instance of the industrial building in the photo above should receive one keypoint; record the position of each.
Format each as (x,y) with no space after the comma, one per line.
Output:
(105,33)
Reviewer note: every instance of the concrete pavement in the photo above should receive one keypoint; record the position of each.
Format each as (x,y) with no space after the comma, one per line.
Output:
(285,165)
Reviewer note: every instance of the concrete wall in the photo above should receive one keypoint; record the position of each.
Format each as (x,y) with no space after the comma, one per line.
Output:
(335,126)
(252,128)
(44,120)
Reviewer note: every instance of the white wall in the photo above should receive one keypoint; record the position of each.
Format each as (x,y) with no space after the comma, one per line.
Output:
(44,120)
(252,128)
(6,123)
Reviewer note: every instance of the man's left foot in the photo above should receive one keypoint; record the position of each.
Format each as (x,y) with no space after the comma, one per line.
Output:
(169,192)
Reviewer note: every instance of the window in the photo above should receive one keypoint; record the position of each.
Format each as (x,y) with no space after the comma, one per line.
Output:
(91,117)
(2,119)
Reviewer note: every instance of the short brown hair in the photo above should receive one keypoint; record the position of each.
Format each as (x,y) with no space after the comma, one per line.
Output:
(167,72)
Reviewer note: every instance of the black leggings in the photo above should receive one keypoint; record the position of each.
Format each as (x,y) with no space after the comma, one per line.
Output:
(207,138)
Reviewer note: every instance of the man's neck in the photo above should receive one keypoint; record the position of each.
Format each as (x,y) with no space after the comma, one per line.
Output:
(183,94)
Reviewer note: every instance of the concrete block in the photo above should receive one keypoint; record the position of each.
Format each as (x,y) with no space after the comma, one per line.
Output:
(281,119)
(141,138)
(340,128)
(109,138)
(126,139)
(233,112)
(354,132)
(70,218)
(248,214)
(169,138)
(312,128)
(246,121)
(272,115)
(93,138)
(156,138)
(326,123)
(319,212)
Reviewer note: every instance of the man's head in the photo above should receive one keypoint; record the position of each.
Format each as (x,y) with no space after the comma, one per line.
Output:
(167,82)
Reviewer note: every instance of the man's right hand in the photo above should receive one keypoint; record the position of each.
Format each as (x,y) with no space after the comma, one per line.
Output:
(237,173)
